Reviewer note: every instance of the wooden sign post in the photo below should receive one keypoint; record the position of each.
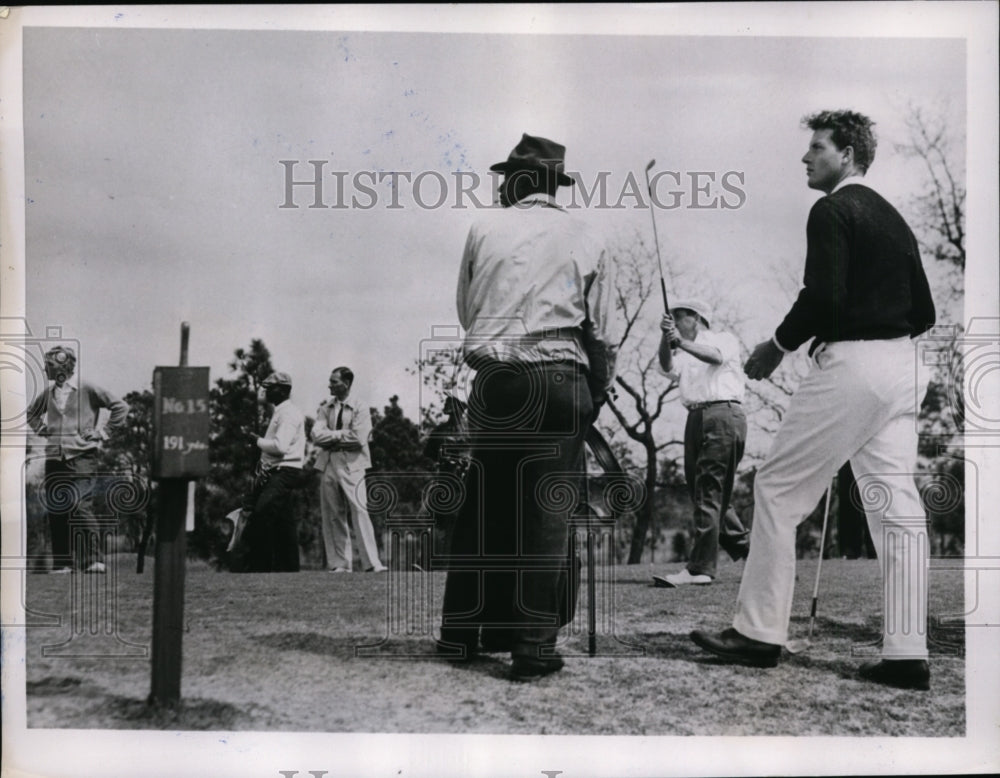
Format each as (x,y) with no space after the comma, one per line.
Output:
(181,424)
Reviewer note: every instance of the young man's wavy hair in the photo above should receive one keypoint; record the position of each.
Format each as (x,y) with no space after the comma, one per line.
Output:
(847,128)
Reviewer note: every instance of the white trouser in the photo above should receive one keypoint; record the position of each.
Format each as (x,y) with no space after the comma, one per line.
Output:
(342,491)
(857,403)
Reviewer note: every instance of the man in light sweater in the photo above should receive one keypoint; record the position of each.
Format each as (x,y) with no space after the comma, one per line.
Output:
(69,420)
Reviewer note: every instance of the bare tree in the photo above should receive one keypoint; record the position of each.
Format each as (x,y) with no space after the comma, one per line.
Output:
(769,397)
(938,212)
(643,391)
(937,216)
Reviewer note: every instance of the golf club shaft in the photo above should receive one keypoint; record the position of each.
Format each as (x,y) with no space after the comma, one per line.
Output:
(819,563)
(822,542)
(591,593)
(656,239)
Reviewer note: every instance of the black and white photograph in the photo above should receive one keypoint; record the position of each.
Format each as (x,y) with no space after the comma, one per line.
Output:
(452,390)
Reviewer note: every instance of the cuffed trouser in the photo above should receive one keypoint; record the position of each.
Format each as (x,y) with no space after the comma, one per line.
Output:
(714,438)
(509,569)
(342,491)
(69,500)
(857,403)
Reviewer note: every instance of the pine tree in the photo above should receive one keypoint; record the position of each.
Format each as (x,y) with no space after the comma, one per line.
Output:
(236,416)
(396,449)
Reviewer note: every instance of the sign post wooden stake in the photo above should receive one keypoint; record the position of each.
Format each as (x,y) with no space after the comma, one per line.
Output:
(180,455)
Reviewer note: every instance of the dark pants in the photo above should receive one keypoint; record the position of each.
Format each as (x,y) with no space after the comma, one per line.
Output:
(509,568)
(69,497)
(714,438)
(271,533)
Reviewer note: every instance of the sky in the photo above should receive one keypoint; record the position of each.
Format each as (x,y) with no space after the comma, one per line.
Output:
(155,183)
(150,141)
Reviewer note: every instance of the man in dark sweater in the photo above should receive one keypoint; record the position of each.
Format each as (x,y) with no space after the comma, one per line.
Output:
(864,297)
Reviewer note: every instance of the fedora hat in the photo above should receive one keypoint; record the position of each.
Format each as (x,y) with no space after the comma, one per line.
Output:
(534,153)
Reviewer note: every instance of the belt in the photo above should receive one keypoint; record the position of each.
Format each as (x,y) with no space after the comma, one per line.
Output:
(481,363)
(701,406)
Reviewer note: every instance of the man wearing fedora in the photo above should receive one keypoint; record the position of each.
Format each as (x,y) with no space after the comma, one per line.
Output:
(535,300)
(707,365)
(271,531)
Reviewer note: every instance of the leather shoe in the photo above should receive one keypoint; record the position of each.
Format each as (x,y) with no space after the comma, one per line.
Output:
(738,649)
(529,669)
(901,673)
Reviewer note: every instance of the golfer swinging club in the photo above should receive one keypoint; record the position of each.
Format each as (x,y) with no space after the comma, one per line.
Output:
(707,367)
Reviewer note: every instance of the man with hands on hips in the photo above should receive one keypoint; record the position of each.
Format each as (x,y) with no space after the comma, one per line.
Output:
(68,418)
(711,388)
(864,297)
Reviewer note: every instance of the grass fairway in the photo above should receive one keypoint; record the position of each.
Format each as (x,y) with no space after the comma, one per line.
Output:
(279,652)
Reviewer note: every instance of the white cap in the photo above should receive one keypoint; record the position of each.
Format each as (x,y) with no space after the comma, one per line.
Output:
(697,306)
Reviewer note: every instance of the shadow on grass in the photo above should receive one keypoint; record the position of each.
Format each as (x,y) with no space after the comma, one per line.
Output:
(488,664)
(349,647)
(312,642)
(112,711)
(192,714)
(52,686)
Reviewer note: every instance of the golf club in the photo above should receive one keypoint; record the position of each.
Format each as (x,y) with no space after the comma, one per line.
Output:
(797,646)
(656,240)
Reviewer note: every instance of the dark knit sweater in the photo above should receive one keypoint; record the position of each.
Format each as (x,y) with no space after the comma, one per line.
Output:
(863,277)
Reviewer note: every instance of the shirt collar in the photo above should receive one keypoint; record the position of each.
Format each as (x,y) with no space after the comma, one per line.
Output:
(538,199)
(857,178)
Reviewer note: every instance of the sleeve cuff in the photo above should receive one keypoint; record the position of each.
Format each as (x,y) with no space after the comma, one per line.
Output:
(782,349)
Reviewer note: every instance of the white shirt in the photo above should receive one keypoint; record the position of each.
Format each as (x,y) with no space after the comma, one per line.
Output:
(857,178)
(533,268)
(704,382)
(60,394)
(284,443)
